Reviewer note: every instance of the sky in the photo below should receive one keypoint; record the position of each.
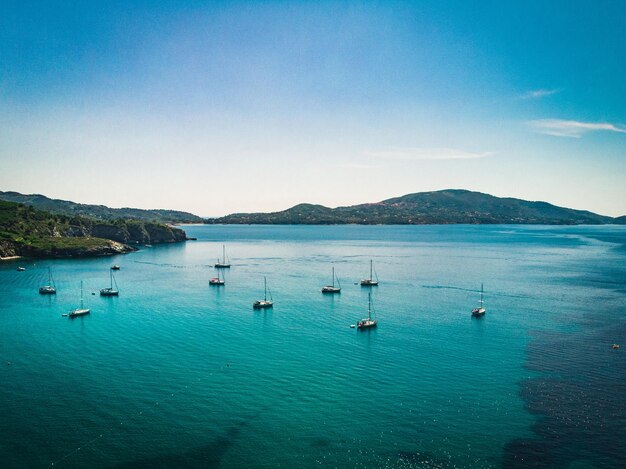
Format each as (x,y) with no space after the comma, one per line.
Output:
(220,107)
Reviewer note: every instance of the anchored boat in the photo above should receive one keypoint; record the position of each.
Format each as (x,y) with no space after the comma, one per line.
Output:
(217,281)
(370,282)
(480,311)
(223,264)
(264,303)
(82,310)
(49,289)
(367,322)
(332,288)
(110,291)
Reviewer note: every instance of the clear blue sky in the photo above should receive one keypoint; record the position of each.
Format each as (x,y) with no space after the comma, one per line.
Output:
(216,107)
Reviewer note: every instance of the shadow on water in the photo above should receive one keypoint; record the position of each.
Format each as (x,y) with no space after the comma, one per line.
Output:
(367,336)
(207,456)
(321,442)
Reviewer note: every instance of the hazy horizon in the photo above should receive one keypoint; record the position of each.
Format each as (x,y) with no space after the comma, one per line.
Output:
(284,208)
(258,106)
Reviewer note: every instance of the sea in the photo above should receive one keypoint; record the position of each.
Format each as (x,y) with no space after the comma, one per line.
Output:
(177,373)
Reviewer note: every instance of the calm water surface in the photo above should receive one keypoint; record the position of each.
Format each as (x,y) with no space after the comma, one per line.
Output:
(176,373)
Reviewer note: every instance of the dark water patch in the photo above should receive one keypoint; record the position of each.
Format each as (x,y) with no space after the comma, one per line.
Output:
(207,456)
(420,459)
(524,453)
(576,422)
(580,400)
(321,442)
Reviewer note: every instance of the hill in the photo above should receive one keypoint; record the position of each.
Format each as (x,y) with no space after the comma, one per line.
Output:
(26,231)
(100,212)
(452,206)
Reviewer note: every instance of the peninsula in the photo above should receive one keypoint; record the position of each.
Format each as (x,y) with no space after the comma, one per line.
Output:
(26,231)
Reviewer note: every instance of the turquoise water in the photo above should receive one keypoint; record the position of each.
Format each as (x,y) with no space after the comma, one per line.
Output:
(176,373)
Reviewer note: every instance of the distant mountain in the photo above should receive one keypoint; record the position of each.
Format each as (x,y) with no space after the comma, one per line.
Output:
(101,212)
(452,206)
(620,220)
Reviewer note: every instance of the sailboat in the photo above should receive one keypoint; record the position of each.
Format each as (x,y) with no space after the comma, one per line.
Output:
(264,303)
(110,291)
(367,322)
(217,281)
(370,282)
(480,310)
(49,289)
(80,311)
(223,264)
(332,288)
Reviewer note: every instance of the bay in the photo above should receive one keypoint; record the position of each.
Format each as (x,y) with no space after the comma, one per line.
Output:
(176,373)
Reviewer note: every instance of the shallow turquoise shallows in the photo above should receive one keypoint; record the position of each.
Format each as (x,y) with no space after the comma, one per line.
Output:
(177,373)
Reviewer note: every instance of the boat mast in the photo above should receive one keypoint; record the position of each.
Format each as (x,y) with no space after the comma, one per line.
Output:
(371,267)
(111,278)
(333,276)
(369,306)
(481,295)
(82,306)
(265,288)
(224,253)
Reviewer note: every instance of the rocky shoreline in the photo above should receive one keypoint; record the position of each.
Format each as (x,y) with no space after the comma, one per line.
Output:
(27,232)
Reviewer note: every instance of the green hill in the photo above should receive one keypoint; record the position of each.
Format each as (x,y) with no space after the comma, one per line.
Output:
(100,212)
(26,231)
(452,206)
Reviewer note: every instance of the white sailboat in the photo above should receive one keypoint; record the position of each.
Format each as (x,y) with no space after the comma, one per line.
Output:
(264,303)
(217,281)
(49,289)
(223,264)
(370,282)
(480,310)
(110,291)
(367,322)
(332,288)
(82,310)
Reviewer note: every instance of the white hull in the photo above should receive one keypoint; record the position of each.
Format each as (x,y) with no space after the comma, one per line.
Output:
(366,323)
(79,312)
(368,282)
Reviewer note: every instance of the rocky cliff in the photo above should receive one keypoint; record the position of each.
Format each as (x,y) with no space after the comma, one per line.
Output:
(25,231)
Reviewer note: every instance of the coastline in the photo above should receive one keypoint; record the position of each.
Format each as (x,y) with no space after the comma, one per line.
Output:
(10,258)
